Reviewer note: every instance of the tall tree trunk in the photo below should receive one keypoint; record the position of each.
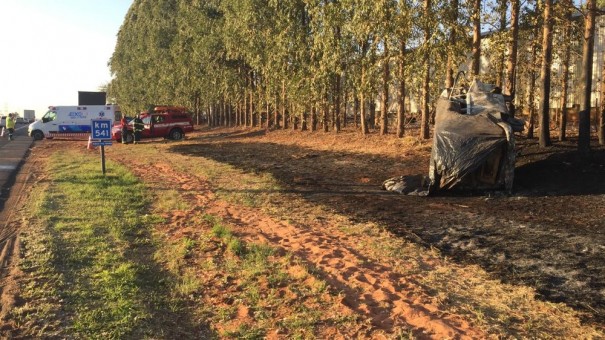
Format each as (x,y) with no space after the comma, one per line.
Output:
(313,118)
(372,114)
(362,114)
(544,109)
(453,23)
(511,62)
(532,89)
(565,78)
(384,104)
(502,8)
(356,105)
(401,108)
(293,116)
(424,127)
(587,55)
(284,106)
(251,118)
(246,108)
(196,107)
(238,114)
(303,120)
(276,120)
(325,107)
(222,109)
(209,115)
(476,37)
(260,106)
(337,103)
(601,130)
(362,100)
(268,109)
(345,105)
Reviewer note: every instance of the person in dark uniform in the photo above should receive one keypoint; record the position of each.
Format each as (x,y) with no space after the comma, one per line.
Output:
(138,128)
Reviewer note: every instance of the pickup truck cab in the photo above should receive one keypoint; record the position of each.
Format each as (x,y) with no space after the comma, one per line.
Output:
(165,121)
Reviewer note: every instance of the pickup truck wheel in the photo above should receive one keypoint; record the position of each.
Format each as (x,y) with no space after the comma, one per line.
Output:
(129,138)
(176,134)
(37,135)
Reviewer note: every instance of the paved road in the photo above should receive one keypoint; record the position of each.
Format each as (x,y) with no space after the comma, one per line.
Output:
(12,154)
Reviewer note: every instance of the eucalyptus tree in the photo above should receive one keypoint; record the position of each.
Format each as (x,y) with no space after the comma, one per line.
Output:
(528,65)
(401,36)
(247,37)
(199,52)
(511,61)
(326,63)
(290,51)
(427,26)
(476,48)
(159,36)
(502,29)
(385,11)
(452,28)
(564,41)
(130,60)
(495,23)
(142,65)
(545,71)
(365,40)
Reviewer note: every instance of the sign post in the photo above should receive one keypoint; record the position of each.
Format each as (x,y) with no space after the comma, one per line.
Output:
(100,130)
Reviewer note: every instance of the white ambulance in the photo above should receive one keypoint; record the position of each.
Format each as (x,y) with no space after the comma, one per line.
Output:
(71,122)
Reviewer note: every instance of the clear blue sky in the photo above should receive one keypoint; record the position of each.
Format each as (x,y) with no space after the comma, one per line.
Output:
(51,49)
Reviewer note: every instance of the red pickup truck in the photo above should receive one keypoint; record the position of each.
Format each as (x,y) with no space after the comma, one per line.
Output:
(165,121)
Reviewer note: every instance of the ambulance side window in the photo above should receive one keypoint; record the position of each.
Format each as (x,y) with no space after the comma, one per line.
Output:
(49,116)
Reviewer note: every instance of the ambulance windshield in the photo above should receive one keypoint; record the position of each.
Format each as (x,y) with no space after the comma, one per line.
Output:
(49,116)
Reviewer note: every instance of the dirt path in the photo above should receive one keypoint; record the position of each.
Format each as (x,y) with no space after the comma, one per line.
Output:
(13,201)
(388,300)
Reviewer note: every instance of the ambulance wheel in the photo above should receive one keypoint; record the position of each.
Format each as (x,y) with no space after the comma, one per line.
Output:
(176,134)
(129,138)
(37,135)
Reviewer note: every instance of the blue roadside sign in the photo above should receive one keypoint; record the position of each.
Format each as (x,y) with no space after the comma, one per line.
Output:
(100,133)
(100,129)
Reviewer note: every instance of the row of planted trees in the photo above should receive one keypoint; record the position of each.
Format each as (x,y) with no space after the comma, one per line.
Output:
(311,64)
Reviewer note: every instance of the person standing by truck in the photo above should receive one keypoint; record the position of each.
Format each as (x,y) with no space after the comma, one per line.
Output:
(10,125)
(138,128)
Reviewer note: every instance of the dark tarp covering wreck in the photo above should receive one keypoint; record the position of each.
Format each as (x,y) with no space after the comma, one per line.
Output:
(473,144)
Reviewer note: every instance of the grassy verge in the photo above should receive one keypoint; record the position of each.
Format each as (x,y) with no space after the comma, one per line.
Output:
(97,265)
(88,256)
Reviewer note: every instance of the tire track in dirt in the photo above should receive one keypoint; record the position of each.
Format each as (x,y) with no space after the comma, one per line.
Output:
(10,242)
(370,289)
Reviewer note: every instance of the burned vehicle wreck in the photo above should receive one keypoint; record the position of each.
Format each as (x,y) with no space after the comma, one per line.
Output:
(474,142)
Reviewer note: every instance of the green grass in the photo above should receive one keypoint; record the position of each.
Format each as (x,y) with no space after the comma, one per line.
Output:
(90,254)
